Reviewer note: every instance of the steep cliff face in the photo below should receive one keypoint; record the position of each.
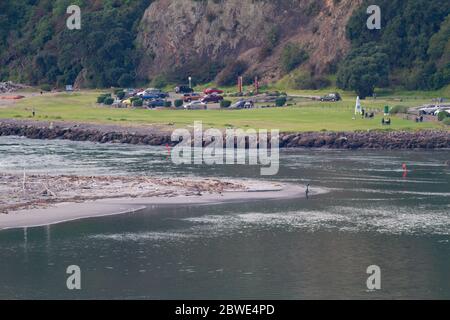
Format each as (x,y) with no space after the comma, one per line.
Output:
(174,32)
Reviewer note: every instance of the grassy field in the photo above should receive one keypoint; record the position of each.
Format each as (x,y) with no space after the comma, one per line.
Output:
(302,115)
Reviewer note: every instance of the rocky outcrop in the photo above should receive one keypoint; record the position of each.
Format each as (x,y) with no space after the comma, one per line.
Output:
(428,139)
(174,32)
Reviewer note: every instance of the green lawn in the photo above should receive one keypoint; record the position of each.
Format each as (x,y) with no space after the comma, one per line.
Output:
(303,115)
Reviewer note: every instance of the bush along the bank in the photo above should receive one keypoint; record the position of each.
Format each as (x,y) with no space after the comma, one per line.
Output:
(102,98)
(138,103)
(399,109)
(178,103)
(280,102)
(108,101)
(443,115)
(225,103)
(120,95)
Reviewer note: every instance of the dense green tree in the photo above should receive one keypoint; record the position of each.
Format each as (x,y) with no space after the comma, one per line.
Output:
(363,69)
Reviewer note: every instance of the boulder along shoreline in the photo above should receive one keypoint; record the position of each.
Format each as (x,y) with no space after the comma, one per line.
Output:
(161,136)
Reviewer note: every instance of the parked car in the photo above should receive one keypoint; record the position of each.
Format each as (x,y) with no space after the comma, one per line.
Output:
(436,113)
(212,98)
(183,89)
(152,93)
(130,92)
(331,97)
(188,97)
(248,105)
(242,104)
(156,103)
(196,105)
(212,91)
(238,105)
(429,110)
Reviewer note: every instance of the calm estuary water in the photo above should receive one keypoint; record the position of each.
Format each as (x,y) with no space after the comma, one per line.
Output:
(286,249)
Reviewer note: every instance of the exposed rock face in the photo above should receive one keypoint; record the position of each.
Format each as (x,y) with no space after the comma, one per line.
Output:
(173,32)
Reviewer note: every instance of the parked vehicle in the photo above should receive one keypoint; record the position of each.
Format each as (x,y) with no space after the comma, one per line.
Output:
(196,105)
(331,97)
(188,97)
(212,91)
(429,110)
(242,104)
(436,113)
(238,105)
(183,89)
(212,98)
(152,93)
(156,103)
(130,92)
(248,105)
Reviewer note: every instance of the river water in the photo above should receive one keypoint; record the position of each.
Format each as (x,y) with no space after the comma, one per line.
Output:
(285,249)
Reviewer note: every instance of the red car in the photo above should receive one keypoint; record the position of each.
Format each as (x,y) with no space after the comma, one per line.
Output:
(212,98)
(212,91)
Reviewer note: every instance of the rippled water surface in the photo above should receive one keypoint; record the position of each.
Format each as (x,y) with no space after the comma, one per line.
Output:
(286,249)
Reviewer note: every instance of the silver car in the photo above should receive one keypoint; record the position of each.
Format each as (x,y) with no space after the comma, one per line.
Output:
(196,105)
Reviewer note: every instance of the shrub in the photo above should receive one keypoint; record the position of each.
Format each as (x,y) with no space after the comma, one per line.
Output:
(120,95)
(225,103)
(443,115)
(399,109)
(138,103)
(108,101)
(178,103)
(167,104)
(280,101)
(446,121)
(101,99)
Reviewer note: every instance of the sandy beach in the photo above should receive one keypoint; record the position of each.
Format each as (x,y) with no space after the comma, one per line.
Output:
(38,200)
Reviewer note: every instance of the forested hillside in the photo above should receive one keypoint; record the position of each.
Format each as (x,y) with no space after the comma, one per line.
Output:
(412,49)
(122,42)
(36,47)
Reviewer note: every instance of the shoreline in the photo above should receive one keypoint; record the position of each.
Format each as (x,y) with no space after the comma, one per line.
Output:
(157,135)
(71,211)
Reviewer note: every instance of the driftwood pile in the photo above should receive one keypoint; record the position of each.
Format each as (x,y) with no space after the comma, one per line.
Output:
(9,86)
(31,191)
